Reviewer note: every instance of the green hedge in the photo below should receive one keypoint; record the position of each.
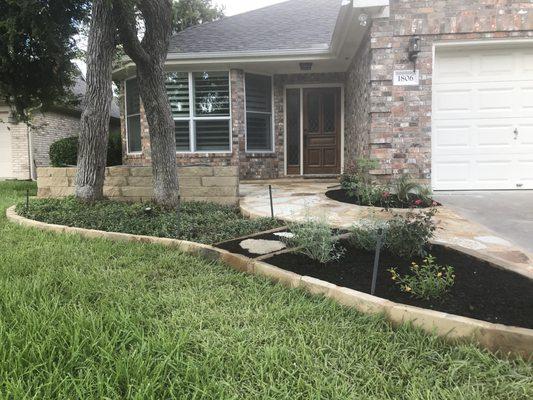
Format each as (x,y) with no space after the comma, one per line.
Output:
(64,152)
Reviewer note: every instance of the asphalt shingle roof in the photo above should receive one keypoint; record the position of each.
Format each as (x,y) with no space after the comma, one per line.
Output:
(291,25)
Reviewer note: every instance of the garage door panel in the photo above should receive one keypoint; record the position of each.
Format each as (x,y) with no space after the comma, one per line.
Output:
(452,137)
(496,64)
(524,139)
(453,66)
(524,172)
(453,102)
(526,62)
(526,96)
(493,137)
(493,172)
(452,173)
(494,99)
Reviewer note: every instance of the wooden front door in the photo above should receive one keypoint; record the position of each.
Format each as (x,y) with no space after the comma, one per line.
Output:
(322,130)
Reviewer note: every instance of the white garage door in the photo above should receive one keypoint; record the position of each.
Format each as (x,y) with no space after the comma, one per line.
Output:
(482,135)
(5,149)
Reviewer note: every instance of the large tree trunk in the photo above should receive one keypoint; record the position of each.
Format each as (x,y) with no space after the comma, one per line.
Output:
(150,55)
(162,137)
(92,147)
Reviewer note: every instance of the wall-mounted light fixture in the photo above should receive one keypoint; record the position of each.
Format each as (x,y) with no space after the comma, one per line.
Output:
(414,49)
(363,19)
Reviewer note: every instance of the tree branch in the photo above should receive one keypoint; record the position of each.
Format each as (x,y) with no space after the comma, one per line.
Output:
(157,16)
(127,29)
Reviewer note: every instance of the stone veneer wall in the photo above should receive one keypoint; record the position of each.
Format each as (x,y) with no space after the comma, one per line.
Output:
(400,131)
(357,105)
(123,183)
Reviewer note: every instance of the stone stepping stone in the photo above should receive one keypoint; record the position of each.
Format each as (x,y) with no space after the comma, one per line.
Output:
(262,246)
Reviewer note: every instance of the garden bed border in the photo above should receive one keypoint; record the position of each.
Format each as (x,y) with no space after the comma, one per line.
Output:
(508,340)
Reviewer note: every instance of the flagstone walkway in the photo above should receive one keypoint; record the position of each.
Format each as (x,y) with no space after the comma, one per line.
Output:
(294,200)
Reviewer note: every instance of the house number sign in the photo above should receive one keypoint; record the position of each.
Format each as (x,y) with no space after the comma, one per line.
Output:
(406,78)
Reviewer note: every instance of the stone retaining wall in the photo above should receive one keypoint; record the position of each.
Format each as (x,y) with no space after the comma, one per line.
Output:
(128,183)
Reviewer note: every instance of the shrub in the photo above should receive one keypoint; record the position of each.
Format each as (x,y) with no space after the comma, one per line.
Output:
(64,152)
(427,280)
(364,234)
(406,235)
(315,239)
(403,187)
(357,175)
(114,149)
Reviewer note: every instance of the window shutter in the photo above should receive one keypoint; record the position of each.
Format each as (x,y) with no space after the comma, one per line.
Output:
(258,113)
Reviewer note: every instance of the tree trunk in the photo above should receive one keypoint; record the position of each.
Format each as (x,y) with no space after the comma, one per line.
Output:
(94,135)
(150,55)
(162,136)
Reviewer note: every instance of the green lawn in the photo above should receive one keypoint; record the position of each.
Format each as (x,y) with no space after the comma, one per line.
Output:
(91,319)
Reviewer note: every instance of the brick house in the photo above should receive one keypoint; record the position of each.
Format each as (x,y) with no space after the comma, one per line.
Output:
(23,148)
(441,90)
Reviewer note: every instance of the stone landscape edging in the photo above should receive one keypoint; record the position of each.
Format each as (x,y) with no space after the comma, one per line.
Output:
(508,340)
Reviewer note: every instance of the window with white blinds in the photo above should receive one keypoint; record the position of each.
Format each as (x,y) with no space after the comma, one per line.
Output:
(200,103)
(258,113)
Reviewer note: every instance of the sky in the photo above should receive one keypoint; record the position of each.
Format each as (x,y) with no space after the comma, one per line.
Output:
(231,7)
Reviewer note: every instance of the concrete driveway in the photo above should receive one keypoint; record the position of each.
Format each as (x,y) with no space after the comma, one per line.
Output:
(507,213)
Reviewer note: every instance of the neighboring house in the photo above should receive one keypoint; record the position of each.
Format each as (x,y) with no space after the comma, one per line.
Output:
(305,87)
(23,148)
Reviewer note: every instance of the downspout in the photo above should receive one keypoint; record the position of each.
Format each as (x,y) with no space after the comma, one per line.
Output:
(30,154)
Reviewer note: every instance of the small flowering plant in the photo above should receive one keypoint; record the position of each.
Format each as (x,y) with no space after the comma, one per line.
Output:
(427,281)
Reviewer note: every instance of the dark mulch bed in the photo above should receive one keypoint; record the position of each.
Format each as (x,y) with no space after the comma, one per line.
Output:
(481,291)
(233,246)
(342,196)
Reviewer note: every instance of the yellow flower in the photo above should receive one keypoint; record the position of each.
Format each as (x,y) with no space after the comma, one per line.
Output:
(407,289)
(439,274)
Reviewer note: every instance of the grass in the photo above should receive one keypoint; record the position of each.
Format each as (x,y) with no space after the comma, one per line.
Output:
(92,319)
(196,221)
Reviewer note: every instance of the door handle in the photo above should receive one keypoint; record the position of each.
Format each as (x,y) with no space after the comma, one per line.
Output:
(515,133)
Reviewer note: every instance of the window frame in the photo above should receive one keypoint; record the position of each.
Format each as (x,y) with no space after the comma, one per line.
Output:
(126,116)
(192,118)
(272,127)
